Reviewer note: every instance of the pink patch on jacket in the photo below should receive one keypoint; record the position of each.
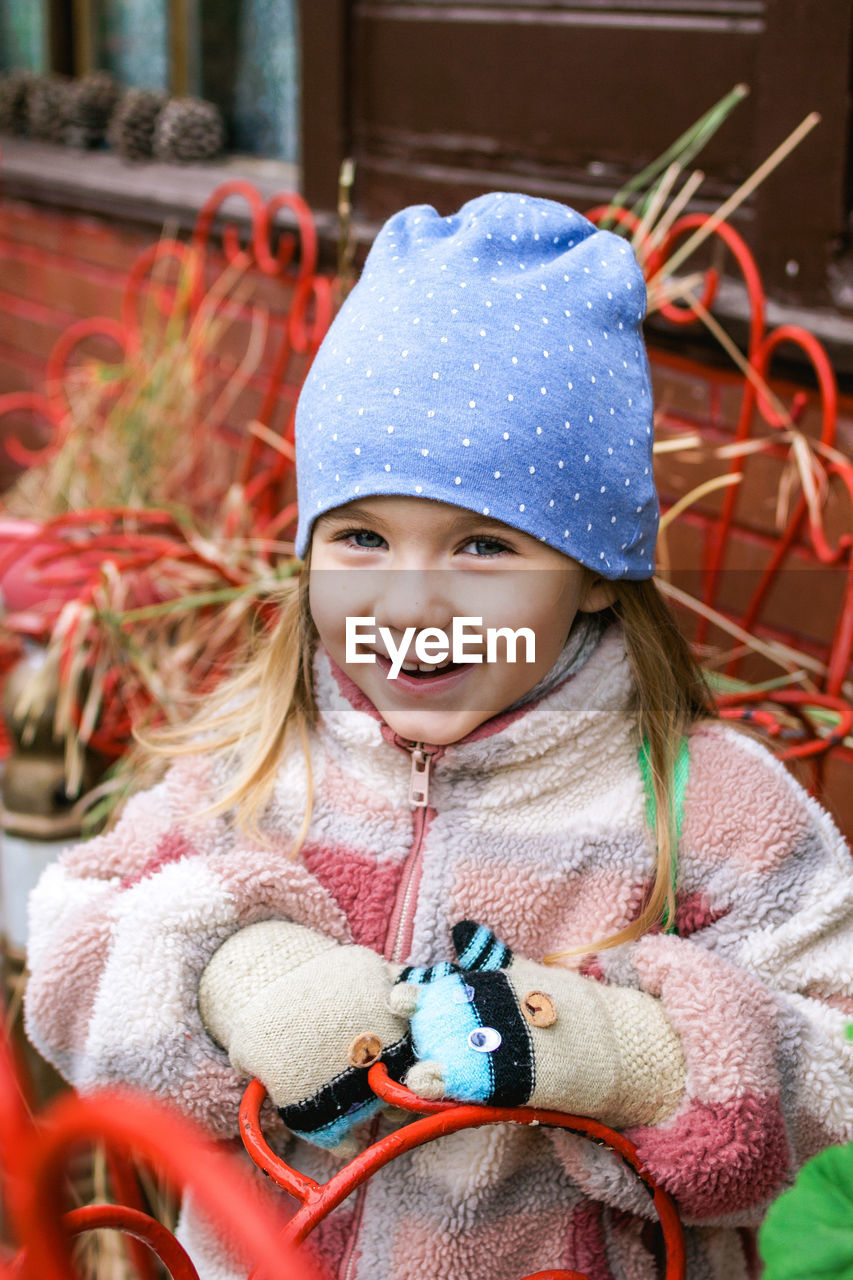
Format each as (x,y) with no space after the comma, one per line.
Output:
(558,911)
(60,996)
(171,848)
(363,888)
(763,817)
(344,793)
(267,887)
(717,1158)
(843,1003)
(485,1245)
(329,1240)
(212,1096)
(693,912)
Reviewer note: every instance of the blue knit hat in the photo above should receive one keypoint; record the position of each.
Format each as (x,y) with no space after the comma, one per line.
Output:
(493,360)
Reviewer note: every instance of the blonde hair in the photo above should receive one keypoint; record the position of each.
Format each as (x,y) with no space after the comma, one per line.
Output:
(257,711)
(670,696)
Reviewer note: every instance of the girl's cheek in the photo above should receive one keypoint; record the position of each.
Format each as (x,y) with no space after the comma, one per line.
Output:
(333,596)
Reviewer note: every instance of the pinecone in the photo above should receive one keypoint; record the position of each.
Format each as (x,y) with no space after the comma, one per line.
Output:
(189,129)
(47,105)
(91,102)
(131,129)
(13,101)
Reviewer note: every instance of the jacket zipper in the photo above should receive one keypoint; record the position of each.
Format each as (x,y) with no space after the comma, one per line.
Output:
(401,918)
(397,941)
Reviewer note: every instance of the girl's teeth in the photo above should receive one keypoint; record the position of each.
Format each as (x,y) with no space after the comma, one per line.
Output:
(425,668)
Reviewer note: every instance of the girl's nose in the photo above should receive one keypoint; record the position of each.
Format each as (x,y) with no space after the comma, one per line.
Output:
(414,598)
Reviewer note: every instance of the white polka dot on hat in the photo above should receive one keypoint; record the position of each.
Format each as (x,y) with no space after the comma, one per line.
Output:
(493,360)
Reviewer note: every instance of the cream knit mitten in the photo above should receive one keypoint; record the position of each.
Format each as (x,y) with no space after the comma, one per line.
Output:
(306,1016)
(502,1030)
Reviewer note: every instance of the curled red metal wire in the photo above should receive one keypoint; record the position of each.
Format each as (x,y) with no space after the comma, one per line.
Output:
(36,1149)
(34,1153)
(739,706)
(742,255)
(435,1120)
(804,526)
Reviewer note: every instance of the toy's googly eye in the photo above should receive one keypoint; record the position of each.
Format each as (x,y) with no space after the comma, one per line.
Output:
(464,995)
(484,1040)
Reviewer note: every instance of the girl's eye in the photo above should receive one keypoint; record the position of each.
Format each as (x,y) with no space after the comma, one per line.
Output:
(487,547)
(362,538)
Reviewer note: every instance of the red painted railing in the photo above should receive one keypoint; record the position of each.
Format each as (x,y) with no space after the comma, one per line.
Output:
(436,1120)
(267,287)
(296,324)
(763,429)
(34,1157)
(36,1149)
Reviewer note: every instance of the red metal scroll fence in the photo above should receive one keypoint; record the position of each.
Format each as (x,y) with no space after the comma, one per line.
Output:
(280,320)
(436,1120)
(35,1152)
(298,315)
(764,429)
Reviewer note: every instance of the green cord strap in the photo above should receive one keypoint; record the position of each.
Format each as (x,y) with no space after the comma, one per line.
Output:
(680,773)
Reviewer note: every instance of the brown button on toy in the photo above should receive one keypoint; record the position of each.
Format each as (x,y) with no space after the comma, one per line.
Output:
(539,1009)
(365,1050)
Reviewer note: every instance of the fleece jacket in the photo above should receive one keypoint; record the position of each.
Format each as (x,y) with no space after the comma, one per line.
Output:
(534,827)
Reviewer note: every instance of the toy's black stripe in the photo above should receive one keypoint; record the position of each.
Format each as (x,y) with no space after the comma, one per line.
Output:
(497,957)
(490,954)
(346,1092)
(421,976)
(512,1065)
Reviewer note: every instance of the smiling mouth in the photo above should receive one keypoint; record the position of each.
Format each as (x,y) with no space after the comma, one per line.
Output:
(430,674)
(416,673)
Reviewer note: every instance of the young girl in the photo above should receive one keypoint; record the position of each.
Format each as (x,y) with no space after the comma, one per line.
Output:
(648,921)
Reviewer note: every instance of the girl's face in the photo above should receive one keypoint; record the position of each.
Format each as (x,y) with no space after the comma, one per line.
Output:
(416,563)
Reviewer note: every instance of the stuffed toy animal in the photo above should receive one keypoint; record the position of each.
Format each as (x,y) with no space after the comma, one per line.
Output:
(308,1016)
(502,1030)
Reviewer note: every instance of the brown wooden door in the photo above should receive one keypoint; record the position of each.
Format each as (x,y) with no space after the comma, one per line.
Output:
(439,100)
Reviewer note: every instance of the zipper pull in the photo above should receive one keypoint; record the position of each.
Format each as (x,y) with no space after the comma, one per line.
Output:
(419,781)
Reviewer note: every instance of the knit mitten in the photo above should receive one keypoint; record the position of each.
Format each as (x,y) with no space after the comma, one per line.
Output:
(502,1030)
(307,1016)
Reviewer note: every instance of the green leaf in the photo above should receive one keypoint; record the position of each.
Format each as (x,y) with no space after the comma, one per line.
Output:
(808,1231)
(685,148)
